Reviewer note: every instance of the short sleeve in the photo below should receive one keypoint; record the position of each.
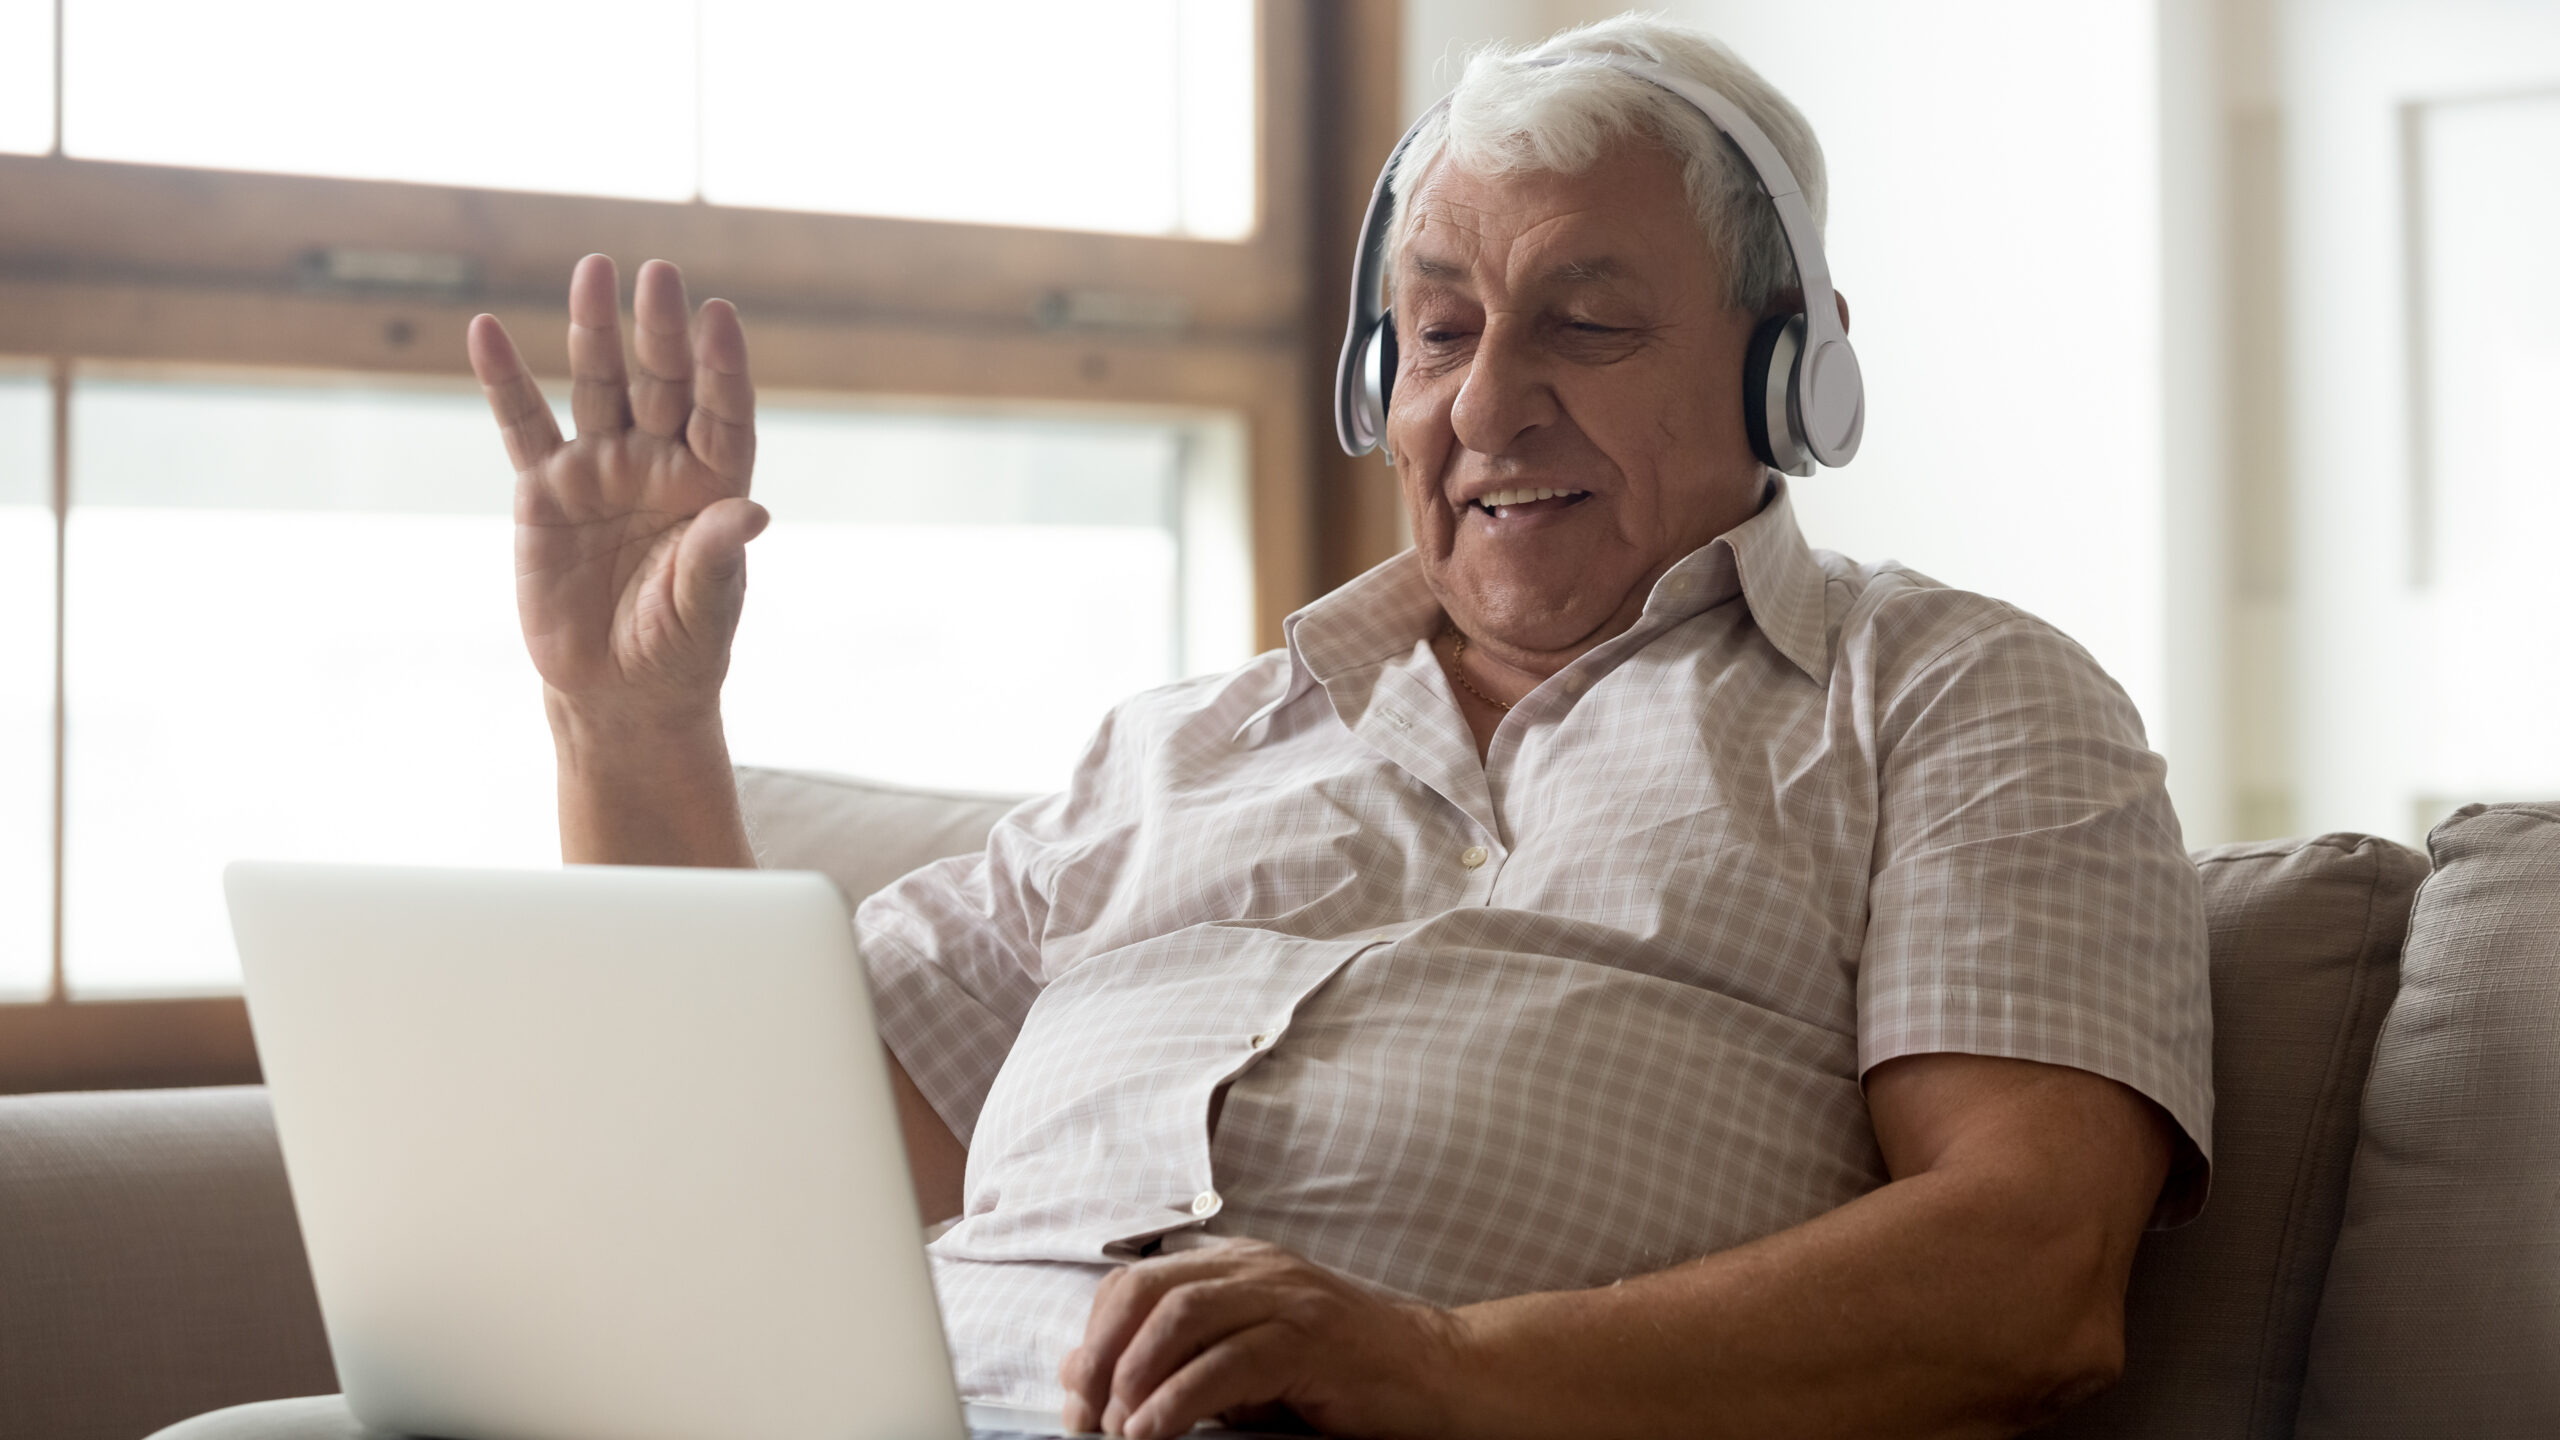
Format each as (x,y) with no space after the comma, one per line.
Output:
(954,949)
(2032,896)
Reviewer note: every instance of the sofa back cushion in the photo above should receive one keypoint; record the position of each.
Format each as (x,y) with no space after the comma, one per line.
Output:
(860,833)
(2306,946)
(2443,1310)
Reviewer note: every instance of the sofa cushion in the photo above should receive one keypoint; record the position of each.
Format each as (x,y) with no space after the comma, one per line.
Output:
(860,833)
(2443,1310)
(150,1267)
(2306,944)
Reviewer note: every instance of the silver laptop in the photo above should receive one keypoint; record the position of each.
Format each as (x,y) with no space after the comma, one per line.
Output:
(597,1151)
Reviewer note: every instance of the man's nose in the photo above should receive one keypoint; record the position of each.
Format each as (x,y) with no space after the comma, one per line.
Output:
(1506,392)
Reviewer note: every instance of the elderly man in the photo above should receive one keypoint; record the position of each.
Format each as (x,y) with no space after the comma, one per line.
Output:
(1617,971)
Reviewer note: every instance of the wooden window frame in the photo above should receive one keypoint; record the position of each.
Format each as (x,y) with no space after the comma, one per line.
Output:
(107,261)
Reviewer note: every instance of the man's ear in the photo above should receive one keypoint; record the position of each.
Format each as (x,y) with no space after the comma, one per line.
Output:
(1844,310)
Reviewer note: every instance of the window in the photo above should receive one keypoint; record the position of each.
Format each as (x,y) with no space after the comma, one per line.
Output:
(26,76)
(286,617)
(1142,113)
(1123,115)
(290,626)
(1037,377)
(955,598)
(26,683)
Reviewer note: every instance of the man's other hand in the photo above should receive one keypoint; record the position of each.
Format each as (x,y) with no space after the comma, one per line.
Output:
(631,538)
(1241,1328)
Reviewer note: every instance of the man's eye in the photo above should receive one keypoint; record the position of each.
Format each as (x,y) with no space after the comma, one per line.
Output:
(1439,335)
(1590,327)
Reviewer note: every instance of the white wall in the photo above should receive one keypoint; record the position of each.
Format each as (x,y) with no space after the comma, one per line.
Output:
(1997,223)
(2391,727)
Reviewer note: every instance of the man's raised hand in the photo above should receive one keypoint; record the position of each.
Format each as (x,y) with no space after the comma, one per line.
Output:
(631,539)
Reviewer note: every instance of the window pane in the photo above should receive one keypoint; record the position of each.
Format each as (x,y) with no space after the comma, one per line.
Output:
(1130,115)
(956,599)
(291,626)
(26,684)
(290,633)
(26,76)
(515,94)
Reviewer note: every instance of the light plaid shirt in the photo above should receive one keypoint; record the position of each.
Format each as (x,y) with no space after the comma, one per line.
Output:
(1590,1007)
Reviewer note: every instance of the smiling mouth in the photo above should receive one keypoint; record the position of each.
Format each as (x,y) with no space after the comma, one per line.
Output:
(1526,500)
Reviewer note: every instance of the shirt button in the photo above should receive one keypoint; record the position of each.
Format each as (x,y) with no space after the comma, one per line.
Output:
(1261,1040)
(1204,1203)
(1573,684)
(1473,857)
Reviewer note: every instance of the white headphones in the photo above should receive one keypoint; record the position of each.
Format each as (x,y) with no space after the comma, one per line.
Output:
(1803,399)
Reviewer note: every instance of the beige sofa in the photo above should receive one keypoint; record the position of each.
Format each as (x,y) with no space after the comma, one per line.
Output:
(2381,1256)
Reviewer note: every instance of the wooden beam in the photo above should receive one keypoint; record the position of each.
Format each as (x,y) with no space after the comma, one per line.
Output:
(126,1045)
(96,220)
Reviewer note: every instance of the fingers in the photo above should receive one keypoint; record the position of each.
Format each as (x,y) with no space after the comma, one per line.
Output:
(662,385)
(711,565)
(722,431)
(1120,1306)
(1240,1370)
(1085,1373)
(1126,1301)
(1185,1322)
(524,417)
(599,394)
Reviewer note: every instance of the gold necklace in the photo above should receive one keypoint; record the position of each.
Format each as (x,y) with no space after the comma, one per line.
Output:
(1458,669)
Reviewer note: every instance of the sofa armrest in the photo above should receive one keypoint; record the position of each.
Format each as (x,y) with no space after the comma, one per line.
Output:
(150,1264)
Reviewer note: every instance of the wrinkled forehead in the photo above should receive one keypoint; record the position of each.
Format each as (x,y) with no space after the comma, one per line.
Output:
(1624,218)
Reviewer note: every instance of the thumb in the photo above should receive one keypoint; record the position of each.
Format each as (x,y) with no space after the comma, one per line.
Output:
(711,564)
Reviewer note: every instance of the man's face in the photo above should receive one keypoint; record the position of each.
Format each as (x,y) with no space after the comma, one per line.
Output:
(1564,333)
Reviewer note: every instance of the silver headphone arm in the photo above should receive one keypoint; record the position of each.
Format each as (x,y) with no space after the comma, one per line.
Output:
(1777,181)
(1827,359)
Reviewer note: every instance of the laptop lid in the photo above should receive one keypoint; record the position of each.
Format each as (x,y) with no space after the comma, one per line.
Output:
(599,1151)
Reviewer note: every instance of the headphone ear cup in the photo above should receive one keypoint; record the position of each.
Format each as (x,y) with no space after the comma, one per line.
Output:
(1769,410)
(1378,372)
(1762,393)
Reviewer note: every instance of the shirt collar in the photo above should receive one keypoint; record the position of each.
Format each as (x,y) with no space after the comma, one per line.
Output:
(1378,616)
(1765,561)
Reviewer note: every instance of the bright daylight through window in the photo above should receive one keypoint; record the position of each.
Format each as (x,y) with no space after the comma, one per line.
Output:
(291,628)
(26,76)
(1117,115)
(287,626)
(26,684)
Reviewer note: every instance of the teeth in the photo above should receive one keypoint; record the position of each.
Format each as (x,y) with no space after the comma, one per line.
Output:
(1521,496)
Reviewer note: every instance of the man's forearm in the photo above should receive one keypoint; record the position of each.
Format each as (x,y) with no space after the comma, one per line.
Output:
(1933,1306)
(646,792)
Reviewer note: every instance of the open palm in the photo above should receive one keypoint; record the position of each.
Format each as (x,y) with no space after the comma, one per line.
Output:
(631,538)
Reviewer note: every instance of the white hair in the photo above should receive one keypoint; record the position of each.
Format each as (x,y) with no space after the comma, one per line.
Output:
(1509,114)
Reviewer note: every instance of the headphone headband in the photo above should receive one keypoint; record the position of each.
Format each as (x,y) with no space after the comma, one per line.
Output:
(1805,398)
